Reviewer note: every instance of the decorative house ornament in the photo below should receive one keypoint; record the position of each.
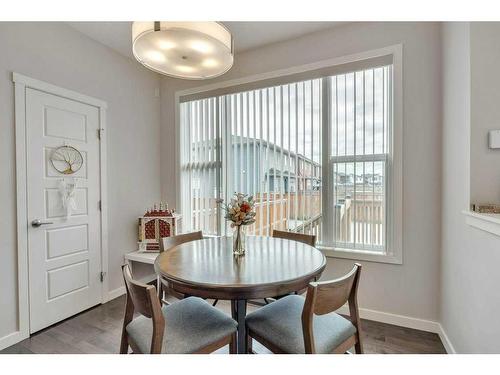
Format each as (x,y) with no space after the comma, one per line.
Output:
(66,159)
(190,50)
(486,208)
(157,223)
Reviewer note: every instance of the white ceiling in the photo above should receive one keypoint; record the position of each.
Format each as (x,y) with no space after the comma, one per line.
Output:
(247,35)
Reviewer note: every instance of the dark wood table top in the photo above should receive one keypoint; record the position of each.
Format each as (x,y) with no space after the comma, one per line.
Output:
(271,266)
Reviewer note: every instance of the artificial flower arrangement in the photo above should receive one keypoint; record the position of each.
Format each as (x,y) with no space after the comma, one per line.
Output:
(240,211)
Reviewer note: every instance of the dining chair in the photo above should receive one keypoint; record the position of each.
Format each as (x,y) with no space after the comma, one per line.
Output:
(294,324)
(167,243)
(188,326)
(308,239)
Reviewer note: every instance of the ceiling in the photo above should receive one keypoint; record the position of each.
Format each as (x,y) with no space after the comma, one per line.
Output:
(247,35)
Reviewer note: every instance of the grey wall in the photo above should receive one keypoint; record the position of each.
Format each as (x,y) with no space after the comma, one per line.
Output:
(469,275)
(58,54)
(485,111)
(411,289)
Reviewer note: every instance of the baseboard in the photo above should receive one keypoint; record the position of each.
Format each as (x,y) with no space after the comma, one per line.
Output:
(12,339)
(398,320)
(115,293)
(405,321)
(450,349)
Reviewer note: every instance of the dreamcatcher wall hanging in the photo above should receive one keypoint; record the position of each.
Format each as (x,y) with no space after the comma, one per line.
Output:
(67,195)
(67,160)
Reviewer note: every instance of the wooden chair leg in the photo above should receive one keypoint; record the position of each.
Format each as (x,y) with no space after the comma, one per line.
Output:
(233,349)
(161,292)
(159,288)
(358,347)
(249,344)
(124,343)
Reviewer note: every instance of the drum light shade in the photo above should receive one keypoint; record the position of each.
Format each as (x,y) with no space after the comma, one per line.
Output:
(189,50)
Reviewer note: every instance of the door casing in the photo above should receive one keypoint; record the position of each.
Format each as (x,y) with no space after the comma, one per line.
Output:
(21,83)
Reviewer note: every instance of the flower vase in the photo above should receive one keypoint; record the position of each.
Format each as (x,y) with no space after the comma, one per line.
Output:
(239,240)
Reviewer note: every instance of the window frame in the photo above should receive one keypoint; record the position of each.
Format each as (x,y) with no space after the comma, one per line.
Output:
(359,159)
(393,160)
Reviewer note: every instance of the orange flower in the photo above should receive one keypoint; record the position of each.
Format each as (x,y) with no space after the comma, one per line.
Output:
(245,207)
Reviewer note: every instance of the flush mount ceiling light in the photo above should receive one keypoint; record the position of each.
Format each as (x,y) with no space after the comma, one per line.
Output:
(190,50)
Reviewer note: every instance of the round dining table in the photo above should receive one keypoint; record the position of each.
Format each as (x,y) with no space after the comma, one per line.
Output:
(270,267)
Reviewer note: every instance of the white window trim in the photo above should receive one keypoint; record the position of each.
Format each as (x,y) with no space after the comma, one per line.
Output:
(486,222)
(394,248)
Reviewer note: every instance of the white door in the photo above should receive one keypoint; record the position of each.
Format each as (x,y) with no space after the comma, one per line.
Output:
(64,246)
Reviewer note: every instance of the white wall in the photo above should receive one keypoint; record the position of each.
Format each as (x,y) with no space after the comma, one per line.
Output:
(469,276)
(58,54)
(485,97)
(411,289)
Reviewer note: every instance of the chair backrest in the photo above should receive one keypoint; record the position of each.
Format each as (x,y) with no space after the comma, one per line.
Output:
(169,242)
(143,299)
(142,296)
(328,296)
(300,237)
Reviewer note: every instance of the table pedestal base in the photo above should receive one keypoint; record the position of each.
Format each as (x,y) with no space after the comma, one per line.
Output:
(239,311)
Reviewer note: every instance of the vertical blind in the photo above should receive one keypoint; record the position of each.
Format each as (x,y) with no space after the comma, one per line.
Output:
(201,164)
(267,143)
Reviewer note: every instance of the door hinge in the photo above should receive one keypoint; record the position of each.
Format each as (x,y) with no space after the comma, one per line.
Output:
(99,204)
(99,133)
(102,276)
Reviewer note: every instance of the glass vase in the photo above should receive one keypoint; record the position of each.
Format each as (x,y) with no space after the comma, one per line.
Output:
(239,240)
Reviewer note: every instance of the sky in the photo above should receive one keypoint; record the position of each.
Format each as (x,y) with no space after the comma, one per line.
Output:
(290,116)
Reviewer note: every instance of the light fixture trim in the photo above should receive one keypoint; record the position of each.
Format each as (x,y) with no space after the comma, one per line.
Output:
(215,34)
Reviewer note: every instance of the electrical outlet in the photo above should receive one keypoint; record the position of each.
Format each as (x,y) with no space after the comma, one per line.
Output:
(494,139)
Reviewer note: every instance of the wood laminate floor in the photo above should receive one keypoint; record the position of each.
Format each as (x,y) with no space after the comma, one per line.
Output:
(98,330)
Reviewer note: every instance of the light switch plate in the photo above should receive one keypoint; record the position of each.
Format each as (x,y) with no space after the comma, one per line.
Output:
(494,139)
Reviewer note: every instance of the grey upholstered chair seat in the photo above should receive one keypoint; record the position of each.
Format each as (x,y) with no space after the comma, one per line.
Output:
(280,324)
(190,324)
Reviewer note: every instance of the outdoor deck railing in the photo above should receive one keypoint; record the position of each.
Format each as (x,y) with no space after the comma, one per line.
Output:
(357,222)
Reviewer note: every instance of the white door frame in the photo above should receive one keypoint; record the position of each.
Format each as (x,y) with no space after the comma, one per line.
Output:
(21,83)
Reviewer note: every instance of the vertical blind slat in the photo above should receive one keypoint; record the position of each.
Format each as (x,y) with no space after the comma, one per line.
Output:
(281,176)
(264,143)
(260,173)
(302,166)
(275,162)
(297,183)
(268,172)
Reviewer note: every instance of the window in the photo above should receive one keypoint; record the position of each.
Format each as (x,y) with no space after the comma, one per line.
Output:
(359,123)
(317,154)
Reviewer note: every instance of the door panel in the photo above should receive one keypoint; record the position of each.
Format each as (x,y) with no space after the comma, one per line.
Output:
(64,255)
(55,209)
(66,240)
(65,124)
(68,279)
